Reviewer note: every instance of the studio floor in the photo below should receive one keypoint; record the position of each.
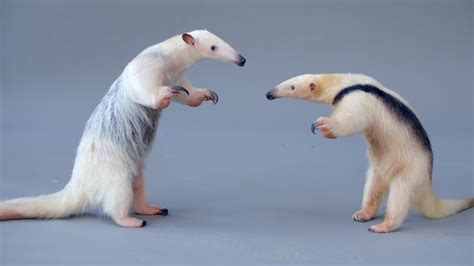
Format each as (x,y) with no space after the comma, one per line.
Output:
(283,202)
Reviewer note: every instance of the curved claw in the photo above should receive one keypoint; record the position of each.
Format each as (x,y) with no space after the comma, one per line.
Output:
(214,97)
(313,128)
(179,89)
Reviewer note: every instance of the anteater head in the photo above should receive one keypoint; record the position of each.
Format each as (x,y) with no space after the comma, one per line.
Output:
(320,88)
(310,87)
(209,46)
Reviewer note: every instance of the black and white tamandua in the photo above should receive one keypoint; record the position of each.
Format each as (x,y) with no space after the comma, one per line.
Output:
(108,169)
(399,150)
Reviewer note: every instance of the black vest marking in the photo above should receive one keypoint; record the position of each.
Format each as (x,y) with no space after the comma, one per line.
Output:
(398,108)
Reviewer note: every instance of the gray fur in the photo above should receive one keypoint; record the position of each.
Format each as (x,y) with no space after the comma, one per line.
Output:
(127,124)
(160,54)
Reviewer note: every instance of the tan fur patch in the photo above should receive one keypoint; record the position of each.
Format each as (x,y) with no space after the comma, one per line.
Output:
(325,84)
(327,81)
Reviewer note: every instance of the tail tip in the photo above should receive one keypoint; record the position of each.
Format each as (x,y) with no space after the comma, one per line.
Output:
(10,215)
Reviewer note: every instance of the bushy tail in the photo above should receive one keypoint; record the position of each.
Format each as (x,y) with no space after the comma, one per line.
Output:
(57,205)
(432,207)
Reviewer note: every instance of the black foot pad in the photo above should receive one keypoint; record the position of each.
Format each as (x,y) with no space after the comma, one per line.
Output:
(143,223)
(164,212)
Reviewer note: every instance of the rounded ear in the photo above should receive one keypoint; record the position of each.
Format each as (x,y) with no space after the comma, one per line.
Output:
(187,38)
(312,87)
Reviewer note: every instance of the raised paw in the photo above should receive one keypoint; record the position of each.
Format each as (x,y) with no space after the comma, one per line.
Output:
(165,96)
(322,125)
(362,216)
(211,96)
(201,95)
(384,227)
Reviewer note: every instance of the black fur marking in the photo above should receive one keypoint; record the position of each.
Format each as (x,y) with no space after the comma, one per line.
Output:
(401,111)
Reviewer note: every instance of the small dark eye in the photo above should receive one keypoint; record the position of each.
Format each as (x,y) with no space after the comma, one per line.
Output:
(292,87)
(213,47)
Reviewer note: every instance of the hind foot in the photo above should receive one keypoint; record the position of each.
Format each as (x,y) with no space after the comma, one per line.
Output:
(383,227)
(362,216)
(150,210)
(129,222)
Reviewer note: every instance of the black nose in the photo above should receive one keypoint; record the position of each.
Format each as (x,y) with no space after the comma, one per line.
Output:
(270,95)
(241,61)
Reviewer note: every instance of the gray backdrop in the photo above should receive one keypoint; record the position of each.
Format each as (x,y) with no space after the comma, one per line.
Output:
(245,180)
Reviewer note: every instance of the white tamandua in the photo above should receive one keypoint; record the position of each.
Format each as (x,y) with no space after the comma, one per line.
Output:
(399,150)
(108,169)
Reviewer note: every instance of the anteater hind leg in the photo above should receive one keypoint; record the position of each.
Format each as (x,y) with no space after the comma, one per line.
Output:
(140,205)
(118,198)
(398,205)
(374,190)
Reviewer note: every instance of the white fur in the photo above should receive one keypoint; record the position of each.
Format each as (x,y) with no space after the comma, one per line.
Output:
(108,170)
(400,167)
